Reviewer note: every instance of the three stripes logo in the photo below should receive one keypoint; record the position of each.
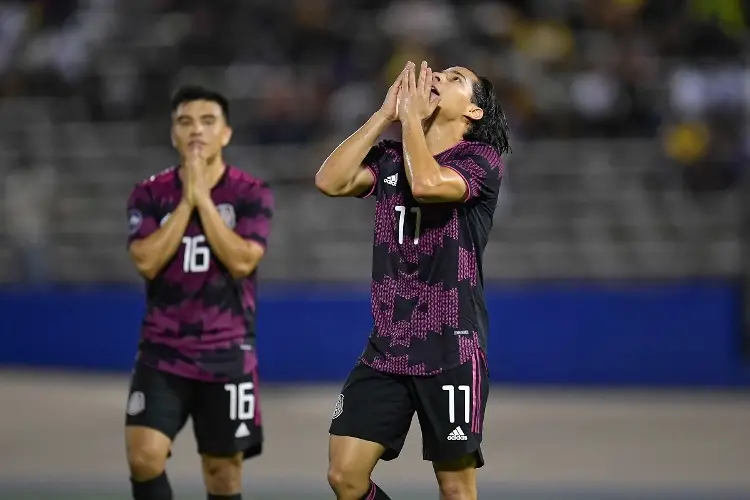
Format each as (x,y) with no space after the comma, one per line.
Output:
(391,179)
(457,435)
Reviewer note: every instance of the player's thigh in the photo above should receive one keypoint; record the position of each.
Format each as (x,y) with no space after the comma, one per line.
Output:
(375,407)
(157,409)
(227,418)
(451,407)
(158,402)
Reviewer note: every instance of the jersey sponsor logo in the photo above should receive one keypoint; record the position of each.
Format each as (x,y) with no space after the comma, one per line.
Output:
(391,179)
(457,435)
(135,220)
(227,214)
(339,408)
(136,403)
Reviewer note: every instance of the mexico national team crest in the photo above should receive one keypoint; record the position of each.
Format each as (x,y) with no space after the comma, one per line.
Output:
(135,219)
(227,214)
(136,403)
(339,408)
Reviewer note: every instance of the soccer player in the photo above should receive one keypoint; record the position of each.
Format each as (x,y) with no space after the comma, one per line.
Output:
(436,194)
(197,234)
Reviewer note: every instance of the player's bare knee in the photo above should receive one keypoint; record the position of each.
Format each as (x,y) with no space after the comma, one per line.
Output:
(147,451)
(457,479)
(223,475)
(350,464)
(456,490)
(457,486)
(346,482)
(146,462)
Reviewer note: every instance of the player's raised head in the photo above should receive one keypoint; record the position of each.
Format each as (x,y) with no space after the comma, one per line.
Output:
(200,118)
(464,95)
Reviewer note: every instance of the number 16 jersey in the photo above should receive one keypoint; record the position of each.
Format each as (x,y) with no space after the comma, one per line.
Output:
(200,321)
(427,286)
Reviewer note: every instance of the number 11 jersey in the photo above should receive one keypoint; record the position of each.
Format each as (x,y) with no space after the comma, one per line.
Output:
(427,291)
(200,321)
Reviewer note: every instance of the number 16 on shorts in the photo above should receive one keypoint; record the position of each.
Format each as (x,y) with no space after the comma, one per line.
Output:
(241,401)
(452,390)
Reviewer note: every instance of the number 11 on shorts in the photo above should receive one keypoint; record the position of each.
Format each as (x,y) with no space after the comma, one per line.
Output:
(452,402)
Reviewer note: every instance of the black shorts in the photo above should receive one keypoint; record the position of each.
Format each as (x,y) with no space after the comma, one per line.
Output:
(226,416)
(379,407)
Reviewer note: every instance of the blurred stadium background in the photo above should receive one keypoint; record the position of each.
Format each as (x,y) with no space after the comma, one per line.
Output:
(618,268)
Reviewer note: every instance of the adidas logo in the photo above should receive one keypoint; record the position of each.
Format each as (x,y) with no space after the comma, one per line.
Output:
(457,435)
(242,431)
(391,179)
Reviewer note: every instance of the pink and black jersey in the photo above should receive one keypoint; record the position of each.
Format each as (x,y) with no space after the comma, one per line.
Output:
(200,321)
(427,286)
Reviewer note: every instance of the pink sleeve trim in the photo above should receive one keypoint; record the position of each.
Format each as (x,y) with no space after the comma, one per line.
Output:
(468,186)
(374,183)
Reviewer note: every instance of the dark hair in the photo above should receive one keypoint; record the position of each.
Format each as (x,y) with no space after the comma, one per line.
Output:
(492,128)
(188,93)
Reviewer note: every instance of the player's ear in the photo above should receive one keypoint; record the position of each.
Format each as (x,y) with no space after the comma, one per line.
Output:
(474,112)
(226,136)
(173,139)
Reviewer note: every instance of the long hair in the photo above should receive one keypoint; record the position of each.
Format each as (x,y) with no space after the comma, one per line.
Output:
(493,127)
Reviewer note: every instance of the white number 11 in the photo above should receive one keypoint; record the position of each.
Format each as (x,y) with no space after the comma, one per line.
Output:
(452,401)
(402,219)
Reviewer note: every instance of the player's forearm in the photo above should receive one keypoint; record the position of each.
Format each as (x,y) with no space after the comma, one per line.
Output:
(238,255)
(422,171)
(151,254)
(342,166)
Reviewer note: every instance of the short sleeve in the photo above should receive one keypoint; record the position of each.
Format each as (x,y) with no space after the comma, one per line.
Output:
(254,214)
(481,168)
(142,219)
(373,161)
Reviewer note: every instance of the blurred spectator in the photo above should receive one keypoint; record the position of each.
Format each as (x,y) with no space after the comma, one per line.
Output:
(28,196)
(566,68)
(14,18)
(305,70)
(88,83)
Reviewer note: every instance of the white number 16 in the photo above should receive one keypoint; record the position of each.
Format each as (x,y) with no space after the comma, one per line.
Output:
(402,219)
(241,400)
(197,257)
